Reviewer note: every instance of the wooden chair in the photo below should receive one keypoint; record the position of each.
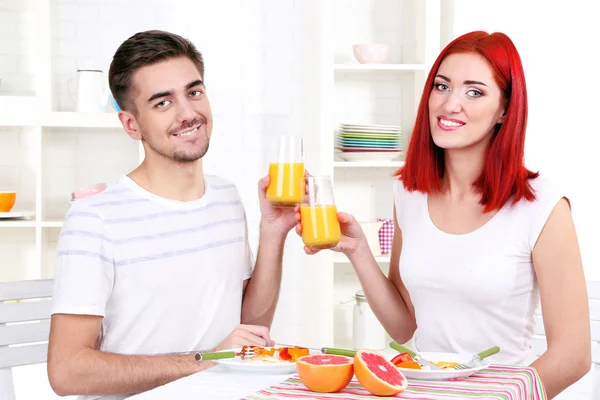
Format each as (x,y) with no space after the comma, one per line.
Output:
(589,386)
(24,328)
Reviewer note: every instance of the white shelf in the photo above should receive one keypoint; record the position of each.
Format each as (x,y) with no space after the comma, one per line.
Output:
(380,67)
(16,223)
(339,258)
(82,120)
(368,164)
(52,224)
(24,111)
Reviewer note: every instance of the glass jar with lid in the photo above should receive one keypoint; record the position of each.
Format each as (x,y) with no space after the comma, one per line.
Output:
(367,331)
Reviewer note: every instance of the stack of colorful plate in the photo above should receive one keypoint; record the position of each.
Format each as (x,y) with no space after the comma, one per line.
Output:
(369,142)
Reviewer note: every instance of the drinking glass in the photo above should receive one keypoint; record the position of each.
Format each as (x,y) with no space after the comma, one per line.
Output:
(286,170)
(320,224)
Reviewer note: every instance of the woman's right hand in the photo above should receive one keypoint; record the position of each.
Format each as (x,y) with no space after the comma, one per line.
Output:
(353,238)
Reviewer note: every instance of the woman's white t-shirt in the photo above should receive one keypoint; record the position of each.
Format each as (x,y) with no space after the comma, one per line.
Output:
(476,290)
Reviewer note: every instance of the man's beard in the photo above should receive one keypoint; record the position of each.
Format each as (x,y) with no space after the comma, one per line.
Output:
(182,156)
(185,157)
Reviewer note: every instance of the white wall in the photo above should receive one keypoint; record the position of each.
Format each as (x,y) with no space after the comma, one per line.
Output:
(15,59)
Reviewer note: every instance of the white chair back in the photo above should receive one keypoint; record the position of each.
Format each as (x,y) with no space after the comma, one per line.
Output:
(24,328)
(539,340)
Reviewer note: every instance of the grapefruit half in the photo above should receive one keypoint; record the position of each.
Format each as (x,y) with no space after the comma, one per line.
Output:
(377,374)
(325,373)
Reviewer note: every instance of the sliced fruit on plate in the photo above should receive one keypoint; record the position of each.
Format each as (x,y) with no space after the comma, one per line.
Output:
(402,357)
(446,364)
(325,373)
(408,364)
(377,374)
(290,354)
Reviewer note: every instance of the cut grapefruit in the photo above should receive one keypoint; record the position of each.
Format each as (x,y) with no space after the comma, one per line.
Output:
(377,374)
(325,373)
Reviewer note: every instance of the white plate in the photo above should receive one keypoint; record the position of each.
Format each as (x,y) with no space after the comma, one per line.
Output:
(370,156)
(378,127)
(17,215)
(369,131)
(444,374)
(257,366)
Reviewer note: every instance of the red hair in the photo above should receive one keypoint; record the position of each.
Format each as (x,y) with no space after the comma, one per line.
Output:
(503,174)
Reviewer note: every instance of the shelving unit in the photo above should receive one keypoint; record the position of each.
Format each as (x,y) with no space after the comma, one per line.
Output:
(368,164)
(380,67)
(47,150)
(82,120)
(381,94)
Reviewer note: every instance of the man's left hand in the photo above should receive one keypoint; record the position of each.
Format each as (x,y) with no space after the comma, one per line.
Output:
(278,220)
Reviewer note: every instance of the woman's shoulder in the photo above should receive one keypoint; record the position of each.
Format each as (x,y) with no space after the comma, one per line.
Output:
(548,190)
(400,191)
(534,214)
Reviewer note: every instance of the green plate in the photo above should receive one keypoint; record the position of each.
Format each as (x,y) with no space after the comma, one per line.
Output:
(358,136)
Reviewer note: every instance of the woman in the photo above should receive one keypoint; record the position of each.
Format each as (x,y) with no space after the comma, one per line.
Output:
(478,238)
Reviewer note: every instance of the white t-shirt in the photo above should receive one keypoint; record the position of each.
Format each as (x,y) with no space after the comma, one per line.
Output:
(166,275)
(474,291)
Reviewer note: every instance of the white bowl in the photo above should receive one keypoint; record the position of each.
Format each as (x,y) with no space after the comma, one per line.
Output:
(371,53)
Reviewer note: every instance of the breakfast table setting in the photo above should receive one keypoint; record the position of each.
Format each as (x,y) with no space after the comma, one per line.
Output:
(406,375)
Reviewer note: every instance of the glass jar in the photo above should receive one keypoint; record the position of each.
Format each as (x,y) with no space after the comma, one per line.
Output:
(367,332)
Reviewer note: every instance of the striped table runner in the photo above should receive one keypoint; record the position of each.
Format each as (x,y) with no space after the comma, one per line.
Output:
(498,382)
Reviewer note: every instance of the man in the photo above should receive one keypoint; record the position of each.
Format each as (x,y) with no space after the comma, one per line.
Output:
(158,267)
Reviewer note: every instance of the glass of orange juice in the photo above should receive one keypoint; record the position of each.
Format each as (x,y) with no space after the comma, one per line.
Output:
(286,170)
(320,225)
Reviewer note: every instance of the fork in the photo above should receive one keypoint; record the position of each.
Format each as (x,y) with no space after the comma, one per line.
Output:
(478,357)
(247,352)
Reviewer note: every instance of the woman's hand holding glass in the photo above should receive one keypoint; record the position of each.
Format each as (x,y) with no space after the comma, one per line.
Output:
(321,225)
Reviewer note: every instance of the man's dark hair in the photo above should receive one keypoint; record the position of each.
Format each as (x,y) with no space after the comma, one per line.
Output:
(146,48)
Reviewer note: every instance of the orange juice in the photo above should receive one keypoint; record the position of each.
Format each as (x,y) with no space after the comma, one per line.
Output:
(320,226)
(286,187)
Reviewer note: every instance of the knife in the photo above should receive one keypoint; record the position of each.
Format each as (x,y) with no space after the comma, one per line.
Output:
(325,350)
(415,356)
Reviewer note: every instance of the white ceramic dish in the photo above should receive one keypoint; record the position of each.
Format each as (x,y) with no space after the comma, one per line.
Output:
(369,156)
(444,374)
(17,215)
(371,128)
(371,53)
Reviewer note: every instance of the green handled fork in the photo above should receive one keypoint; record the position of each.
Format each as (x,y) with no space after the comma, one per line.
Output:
(478,357)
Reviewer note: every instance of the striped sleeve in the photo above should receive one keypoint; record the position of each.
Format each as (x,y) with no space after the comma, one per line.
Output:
(248,256)
(84,274)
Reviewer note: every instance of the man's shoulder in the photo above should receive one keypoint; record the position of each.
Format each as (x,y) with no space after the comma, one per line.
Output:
(219,182)
(97,204)
(224,187)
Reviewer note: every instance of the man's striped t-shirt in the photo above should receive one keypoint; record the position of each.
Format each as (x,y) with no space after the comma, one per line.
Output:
(166,275)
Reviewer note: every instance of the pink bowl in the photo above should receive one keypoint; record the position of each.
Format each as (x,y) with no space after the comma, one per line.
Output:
(87,191)
(371,53)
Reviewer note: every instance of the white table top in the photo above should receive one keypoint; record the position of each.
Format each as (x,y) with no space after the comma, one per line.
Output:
(215,383)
